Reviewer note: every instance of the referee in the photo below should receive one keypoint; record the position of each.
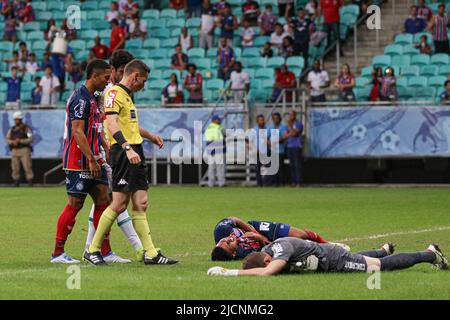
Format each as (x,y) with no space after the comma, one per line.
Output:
(129,177)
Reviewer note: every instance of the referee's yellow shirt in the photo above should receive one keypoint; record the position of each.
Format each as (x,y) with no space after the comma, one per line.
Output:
(118,101)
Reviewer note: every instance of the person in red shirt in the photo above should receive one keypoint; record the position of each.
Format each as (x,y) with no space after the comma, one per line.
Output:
(100,50)
(286,80)
(331,19)
(117,38)
(27,13)
(176,4)
(130,9)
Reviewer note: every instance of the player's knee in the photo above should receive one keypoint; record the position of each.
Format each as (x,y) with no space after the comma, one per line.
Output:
(140,206)
(102,200)
(76,202)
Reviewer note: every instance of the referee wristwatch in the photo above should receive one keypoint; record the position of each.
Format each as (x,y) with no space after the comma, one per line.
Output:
(127,147)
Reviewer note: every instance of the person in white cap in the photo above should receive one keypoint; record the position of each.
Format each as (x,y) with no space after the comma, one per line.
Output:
(20,138)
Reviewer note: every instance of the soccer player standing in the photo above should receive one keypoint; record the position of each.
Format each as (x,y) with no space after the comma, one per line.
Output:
(119,59)
(129,177)
(84,175)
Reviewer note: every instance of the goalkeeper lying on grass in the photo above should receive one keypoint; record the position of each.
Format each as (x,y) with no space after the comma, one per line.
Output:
(235,238)
(293,255)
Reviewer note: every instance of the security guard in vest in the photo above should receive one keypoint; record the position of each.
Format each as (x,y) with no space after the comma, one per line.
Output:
(216,160)
(20,138)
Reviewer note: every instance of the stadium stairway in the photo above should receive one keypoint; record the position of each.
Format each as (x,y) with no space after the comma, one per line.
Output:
(391,24)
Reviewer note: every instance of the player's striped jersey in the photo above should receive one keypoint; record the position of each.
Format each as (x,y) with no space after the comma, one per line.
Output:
(81,106)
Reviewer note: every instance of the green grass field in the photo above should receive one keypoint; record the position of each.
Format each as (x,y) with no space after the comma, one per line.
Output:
(182,220)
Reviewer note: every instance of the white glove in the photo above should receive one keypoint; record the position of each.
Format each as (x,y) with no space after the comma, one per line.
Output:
(219,271)
(310,264)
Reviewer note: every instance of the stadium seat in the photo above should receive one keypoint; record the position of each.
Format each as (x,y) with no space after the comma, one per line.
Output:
(404,38)
(169,43)
(437,81)
(440,59)
(90,5)
(401,61)
(78,45)
(250,52)
(6,46)
(393,49)
(88,34)
(157,54)
(168,72)
(150,14)
(250,72)
(255,84)
(366,72)
(162,64)
(168,13)
(429,70)
(297,62)
(54,6)
(424,93)
(103,5)
(215,84)
(40,6)
(381,61)
(202,63)
(39,45)
(275,62)
(151,43)
(410,71)
(420,59)
(444,70)
(43,15)
(361,82)
(418,35)
(196,53)
(162,33)
(157,24)
(417,81)
(362,94)
(267,84)
(30,26)
(402,81)
(264,73)
(133,44)
(82,55)
(35,35)
(95,15)
(410,50)
(254,62)
(155,74)
(193,22)
(140,53)
(157,84)
(175,23)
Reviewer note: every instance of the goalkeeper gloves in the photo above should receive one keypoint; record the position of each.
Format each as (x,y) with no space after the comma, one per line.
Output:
(219,271)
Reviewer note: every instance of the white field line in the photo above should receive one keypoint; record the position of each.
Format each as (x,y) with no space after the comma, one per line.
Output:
(400,233)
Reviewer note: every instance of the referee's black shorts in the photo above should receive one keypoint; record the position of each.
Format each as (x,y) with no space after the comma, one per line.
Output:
(127,177)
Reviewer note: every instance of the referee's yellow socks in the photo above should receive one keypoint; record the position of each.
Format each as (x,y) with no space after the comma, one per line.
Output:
(104,226)
(140,224)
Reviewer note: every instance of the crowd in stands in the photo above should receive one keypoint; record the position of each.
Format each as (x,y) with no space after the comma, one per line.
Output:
(287,28)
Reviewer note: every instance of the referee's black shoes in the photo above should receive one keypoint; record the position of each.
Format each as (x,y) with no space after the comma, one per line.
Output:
(159,259)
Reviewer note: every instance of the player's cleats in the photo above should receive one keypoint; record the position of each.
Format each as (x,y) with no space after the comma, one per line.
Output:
(389,248)
(342,245)
(441,261)
(140,254)
(64,258)
(94,258)
(159,259)
(114,258)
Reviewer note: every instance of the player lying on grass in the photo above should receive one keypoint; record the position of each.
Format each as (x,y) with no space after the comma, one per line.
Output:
(235,238)
(293,255)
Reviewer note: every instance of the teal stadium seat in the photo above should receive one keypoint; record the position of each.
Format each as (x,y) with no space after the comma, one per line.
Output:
(437,81)
(382,61)
(162,64)
(193,22)
(54,5)
(417,81)
(424,93)
(267,84)
(169,43)
(157,84)
(215,84)
(95,15)
(367,72)
(404,38)
(420,59)
(78,45)
(88,34)
(362,94)
(103,5)
(402,81)
(202,63)
(150,14)
(39,6)
(30,26)
(151,43)
(35,35)
(39,45)
(393,49)
(444,70)
(255,84)
(250,72)
(140,53)
(361,82)
(157,54)
(410,71)
(429,70)
(260,41)
(264,73)
(133,44)
(410,50)
(175,23)
(157,24)
(162,33)
(168,72)
(168,13)
(275,62)
(196,53)
(401,61)
(295,62)
(90,5)
(155,74)
(250,52)
(440,59)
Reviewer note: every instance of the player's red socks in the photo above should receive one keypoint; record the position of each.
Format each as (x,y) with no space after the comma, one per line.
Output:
(311,235)
(98,210)
(64,227)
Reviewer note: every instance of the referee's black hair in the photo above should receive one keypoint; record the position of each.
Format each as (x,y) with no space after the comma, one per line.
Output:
(120,58)
(96,66)
(220,254)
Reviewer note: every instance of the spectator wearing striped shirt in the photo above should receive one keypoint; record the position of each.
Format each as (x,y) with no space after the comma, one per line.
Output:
(193,84)
(438,27)
(225,59)
(423,11)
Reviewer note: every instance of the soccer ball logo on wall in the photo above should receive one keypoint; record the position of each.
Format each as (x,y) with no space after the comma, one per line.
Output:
(390,140)
(359,132)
